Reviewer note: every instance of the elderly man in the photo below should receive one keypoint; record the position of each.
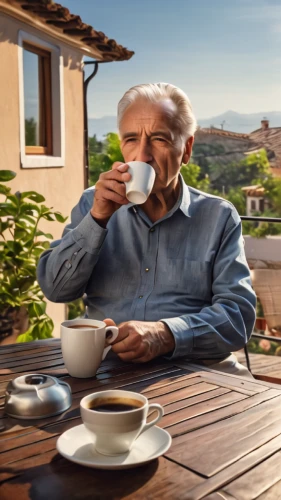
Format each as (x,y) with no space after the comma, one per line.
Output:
(171,272)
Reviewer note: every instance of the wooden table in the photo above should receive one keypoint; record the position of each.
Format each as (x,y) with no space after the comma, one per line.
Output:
(226,434)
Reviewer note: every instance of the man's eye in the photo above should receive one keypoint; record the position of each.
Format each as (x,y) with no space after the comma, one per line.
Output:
(130,139)
(160,139)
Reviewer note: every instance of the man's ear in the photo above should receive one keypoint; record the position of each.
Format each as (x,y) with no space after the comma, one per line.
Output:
(187,150)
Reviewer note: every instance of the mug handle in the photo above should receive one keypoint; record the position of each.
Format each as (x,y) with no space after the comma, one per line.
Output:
(115,331)
(160,410)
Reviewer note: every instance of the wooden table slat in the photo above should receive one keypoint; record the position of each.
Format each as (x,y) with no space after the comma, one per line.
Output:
(258,480)
(177,429)
(273,493)
(34,344)
(185,414)
(22,364)
(29,354)
(236,470)
(246,386)
(236,436)
(184,393)
(190,400)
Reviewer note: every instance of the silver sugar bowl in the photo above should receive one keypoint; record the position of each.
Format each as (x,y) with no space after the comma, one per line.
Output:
(36,396)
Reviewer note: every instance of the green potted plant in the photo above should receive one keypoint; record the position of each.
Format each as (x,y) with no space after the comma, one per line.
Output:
(22,303)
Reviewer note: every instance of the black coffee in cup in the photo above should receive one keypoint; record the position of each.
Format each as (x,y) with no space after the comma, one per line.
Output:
(109,405)
(83,326)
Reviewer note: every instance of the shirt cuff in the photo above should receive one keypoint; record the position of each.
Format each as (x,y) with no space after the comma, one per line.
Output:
(183,336)
(89,235)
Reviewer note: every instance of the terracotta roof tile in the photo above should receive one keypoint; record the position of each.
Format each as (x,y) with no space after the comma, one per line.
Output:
(223,133)
(61,19)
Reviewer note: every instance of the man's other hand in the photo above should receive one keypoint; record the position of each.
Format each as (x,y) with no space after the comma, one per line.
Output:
(141,341)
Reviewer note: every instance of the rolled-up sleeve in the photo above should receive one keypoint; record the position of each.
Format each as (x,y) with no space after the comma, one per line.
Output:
(226,325)
(64,269)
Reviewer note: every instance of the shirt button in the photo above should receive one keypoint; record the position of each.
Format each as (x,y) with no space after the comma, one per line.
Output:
(68,264)
(141,296)
(147,269)
(152,230)
(75,253)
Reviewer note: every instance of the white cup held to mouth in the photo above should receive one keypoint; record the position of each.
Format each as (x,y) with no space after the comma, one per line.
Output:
(139,187)
(83,345)
(114,419)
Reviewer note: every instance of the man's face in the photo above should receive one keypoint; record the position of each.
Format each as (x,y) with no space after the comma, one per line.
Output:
(149,134)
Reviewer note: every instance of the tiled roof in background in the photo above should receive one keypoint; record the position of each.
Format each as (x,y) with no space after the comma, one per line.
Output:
(269,138)
(60,18)
(256,190)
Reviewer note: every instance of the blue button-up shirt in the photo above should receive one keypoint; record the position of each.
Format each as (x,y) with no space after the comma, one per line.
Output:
(187,269)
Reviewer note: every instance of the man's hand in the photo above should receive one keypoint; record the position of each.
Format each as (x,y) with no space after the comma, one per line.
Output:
(110,192)
(141,341)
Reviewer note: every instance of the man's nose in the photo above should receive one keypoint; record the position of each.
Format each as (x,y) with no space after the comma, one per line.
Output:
(144,152)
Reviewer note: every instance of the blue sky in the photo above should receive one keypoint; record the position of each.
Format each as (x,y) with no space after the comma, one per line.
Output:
(225,54)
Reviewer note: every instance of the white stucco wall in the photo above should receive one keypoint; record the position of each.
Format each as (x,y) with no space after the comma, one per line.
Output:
(61,186)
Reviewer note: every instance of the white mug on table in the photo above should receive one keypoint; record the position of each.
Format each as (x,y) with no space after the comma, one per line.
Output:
(83,344)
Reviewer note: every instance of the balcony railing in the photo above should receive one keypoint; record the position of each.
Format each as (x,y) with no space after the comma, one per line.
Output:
(260,219)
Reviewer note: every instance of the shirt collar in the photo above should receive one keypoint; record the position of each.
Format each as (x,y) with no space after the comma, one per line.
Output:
(184,198)
(183,202)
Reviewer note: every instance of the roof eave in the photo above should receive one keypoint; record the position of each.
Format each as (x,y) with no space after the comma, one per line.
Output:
(12,9)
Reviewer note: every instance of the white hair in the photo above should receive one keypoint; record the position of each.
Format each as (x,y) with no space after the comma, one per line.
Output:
(184,119)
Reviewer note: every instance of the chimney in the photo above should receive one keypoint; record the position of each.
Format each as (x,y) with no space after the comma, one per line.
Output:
(264,124)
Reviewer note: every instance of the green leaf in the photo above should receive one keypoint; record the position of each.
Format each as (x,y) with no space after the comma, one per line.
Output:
(59,217)
(43,306)
(4,225)
(36,309)
(32,195)
(19,234)
(7,209)
(28,218)
(43,244)
(29,208)
(40,308)
(36,331)
(14,246)
(13,199)
(46,235)
(45,210)
(48,217)
(38,251)
(4,190)
(49,327)
(7,175)
(26,336)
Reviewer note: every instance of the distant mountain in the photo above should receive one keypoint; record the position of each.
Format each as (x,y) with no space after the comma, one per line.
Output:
(230,120)
(243,123)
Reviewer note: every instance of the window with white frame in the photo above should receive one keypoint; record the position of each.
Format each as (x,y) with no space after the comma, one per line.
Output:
(41,103)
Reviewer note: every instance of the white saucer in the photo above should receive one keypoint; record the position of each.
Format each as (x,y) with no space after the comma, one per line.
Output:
(75,445)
